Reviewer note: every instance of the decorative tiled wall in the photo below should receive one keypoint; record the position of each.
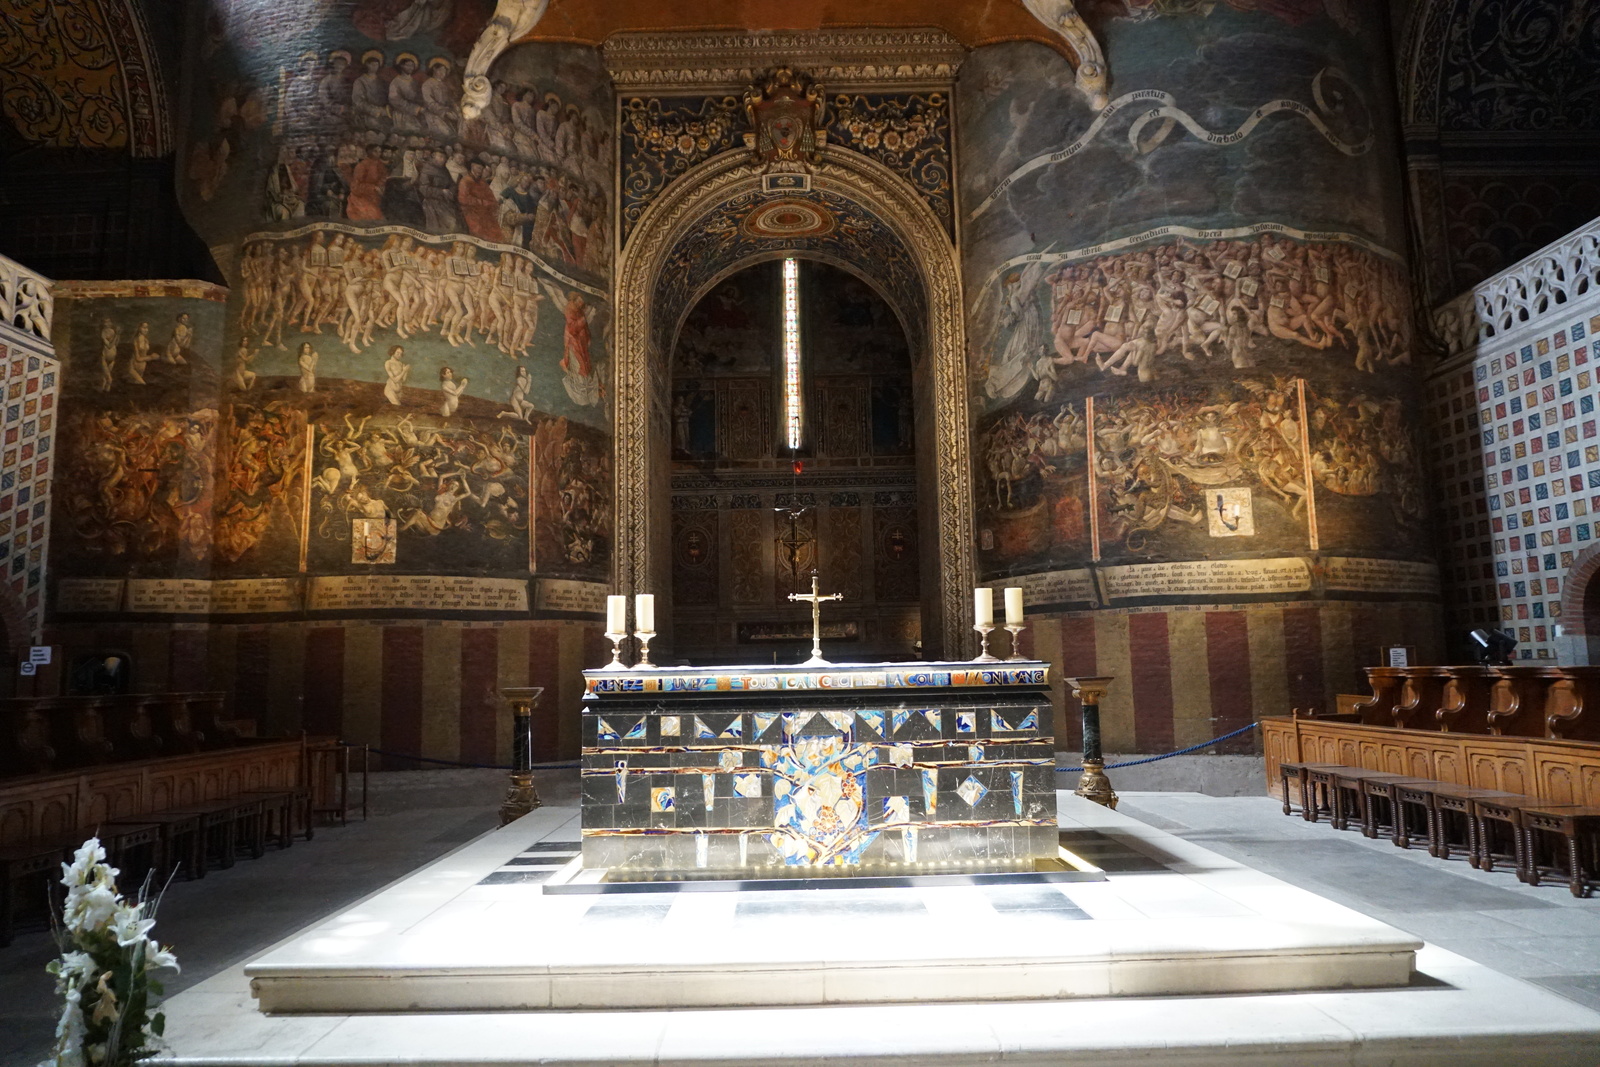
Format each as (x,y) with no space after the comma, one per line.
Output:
(1515,447)
(29,376)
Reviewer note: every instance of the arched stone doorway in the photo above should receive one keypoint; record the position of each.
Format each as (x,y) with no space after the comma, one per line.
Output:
(894,242)
(1579,642)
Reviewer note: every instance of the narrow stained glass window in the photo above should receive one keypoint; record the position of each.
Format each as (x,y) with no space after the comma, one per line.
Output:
(792,405)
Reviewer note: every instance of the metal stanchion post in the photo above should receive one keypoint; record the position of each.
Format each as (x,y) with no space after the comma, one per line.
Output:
(1093,784)
(521,796)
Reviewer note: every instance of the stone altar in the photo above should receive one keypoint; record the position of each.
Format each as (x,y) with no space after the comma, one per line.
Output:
(764,771)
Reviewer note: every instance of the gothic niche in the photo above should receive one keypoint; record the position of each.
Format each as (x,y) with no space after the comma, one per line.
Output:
(747,529)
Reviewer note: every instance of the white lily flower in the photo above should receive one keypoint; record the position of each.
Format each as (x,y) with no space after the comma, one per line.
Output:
(157,956)
(89,907)
(89,855)
(128,925)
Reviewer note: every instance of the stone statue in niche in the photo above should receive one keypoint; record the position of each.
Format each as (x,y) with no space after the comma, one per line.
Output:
(786,114)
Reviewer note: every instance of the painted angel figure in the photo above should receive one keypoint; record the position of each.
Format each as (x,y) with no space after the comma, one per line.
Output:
(576,366)
(1020,337)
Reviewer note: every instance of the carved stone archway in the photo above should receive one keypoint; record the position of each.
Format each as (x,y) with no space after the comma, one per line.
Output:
(641,378)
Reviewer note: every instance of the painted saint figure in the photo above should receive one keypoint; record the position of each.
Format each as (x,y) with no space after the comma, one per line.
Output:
(182,338)
(1020,324)
(109,337)
(396,371)
(307,361)
(452,391)
(243,377)
(141,354)
(521,408)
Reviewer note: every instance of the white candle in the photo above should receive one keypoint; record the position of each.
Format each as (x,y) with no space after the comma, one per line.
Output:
(983,606)
(644,612)
(1013,606)
(616,614)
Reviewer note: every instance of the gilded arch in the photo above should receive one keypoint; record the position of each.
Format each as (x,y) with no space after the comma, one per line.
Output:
(641,385)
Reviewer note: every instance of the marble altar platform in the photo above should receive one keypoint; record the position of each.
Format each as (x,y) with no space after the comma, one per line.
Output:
(1147,965)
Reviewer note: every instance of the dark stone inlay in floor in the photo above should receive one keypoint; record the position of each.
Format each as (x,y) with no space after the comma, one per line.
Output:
(835,907)
(1032,900)
(1114,854)
(515,877)
(605,911)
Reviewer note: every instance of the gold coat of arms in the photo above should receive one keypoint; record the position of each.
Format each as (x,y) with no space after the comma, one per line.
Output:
(786,111)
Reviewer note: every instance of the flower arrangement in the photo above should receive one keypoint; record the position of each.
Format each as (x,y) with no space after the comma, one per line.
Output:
(103,975)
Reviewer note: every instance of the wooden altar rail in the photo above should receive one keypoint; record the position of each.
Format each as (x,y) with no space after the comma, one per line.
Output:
(1556,770)
(1555,702)
(39,735)
(42,805)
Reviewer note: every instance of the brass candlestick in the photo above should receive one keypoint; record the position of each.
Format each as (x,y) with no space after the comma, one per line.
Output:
(644,637)
(522,796)
(984,630)
(616,663)
(1093,785)
(1015,628)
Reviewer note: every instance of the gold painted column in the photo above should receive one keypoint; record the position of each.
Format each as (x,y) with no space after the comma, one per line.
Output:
(1093,784)
(521,796)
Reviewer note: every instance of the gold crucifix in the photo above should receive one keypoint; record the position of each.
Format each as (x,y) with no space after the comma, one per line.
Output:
(816,598)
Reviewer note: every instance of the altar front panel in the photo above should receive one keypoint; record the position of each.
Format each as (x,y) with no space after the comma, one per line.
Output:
(777,771)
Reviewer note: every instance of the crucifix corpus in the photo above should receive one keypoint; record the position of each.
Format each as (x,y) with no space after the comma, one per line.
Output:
(816,598)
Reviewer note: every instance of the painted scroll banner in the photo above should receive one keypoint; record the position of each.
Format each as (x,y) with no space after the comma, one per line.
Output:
(417,592)
(1053,587)
(560,594)
(255,596)
(1217,577)
(85,595)
(169,596)
(1350,574)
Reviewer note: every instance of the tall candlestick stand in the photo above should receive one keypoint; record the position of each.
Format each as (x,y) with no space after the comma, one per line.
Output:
(1015,629)
(522,796)
(984,630)
(616,640)
(644,637)
(1093,784)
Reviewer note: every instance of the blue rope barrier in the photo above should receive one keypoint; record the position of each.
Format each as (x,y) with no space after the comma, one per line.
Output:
(1168,755)
(574,763)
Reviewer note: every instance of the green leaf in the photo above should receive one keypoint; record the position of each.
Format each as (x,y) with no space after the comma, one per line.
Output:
(158,1025)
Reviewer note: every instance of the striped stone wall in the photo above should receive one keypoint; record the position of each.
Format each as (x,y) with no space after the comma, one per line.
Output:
(1185,675)
(416,688)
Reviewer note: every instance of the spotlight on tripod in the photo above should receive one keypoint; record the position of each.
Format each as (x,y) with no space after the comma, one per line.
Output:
(1493,647)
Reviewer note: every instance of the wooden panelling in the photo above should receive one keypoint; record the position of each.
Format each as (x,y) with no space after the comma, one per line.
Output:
(1556,769)
(43,804)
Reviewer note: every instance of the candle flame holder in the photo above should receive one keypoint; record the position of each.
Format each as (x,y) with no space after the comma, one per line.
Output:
(616,640)
(644,637)
(984,630)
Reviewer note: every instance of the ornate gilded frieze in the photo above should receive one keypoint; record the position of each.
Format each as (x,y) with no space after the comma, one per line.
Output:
(661,137)
(860,59)
(907,132)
